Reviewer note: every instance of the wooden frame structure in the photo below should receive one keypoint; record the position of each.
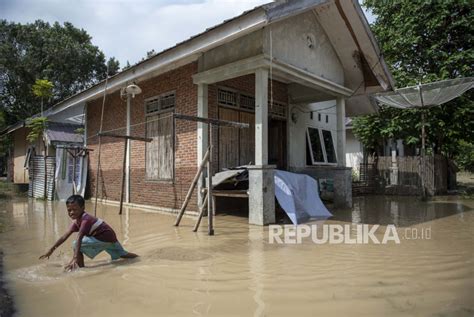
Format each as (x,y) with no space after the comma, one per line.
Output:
(126,138)
(209,198)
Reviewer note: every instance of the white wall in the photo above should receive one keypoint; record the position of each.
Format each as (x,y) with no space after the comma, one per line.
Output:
(297,130)
(290,41)
(354,152)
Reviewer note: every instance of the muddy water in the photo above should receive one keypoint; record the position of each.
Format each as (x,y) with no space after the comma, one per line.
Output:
(238,273)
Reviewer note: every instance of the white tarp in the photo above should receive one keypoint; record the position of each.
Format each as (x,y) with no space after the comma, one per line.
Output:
(298,195)
(65,180)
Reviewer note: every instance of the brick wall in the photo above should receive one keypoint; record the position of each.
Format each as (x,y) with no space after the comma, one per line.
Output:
(156,193)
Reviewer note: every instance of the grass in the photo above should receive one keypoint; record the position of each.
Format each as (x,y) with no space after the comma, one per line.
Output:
(6,189)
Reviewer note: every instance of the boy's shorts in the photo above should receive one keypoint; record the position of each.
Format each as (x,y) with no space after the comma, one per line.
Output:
(91,247)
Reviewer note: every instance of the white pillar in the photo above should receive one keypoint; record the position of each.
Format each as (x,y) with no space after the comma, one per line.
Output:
(261,117)
(202,131)
(341,131)
(261,176)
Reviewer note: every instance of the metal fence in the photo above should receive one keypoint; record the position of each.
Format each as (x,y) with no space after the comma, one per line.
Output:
(38,177)
(403,175)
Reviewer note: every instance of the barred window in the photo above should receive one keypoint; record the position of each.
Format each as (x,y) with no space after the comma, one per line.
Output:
(227,98)
(247,102)
(277,110)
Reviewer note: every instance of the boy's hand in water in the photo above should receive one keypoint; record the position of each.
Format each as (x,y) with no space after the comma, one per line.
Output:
(47,254)
(72,266)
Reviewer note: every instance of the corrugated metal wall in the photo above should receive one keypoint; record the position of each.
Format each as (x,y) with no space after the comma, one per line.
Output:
(38,179)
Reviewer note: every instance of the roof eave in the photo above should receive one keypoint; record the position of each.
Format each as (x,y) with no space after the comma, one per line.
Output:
(374,43)
(229,30)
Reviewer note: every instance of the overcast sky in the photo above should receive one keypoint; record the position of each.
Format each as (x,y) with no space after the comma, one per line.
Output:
(127,29)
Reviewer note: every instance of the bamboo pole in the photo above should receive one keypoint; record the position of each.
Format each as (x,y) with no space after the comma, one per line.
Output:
(201,213)
(423,149)
(123,174)
(191,189)
(100,140)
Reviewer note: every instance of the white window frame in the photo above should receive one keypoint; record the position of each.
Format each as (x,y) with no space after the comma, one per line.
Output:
(323,147)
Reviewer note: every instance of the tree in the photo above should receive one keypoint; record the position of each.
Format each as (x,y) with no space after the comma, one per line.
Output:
(424,49)
(43,89)
(61,53)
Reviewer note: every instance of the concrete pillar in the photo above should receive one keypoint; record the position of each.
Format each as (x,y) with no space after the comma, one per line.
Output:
(261,182)
(261,117)
(261,195)
(343,188)
(202,131)
(341,131)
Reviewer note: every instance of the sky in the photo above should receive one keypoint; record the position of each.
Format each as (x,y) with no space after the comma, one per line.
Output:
(128,29)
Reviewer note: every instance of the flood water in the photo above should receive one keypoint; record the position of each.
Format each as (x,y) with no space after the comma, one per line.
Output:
(238,272)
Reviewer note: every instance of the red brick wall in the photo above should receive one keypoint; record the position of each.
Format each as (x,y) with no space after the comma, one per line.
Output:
(156,193)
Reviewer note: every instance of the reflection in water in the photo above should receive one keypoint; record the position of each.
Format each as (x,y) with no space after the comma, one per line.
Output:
(257,267)
(237,272)
(400,211)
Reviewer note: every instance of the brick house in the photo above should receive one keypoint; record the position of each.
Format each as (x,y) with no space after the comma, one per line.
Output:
(275,67)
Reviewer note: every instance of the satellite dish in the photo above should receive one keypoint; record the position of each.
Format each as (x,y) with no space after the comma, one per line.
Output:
(133,90)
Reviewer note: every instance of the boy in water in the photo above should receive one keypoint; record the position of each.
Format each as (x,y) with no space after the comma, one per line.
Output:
(94,236)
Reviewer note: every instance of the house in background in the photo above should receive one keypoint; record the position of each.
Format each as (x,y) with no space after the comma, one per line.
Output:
(266,67)
(26,167)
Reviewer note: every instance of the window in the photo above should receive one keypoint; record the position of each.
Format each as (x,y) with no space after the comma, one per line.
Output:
(320,147)
(329,147)
(316,149)
(159,156)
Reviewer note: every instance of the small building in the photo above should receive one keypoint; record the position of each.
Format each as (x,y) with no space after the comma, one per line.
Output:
(26,164)
(266,67)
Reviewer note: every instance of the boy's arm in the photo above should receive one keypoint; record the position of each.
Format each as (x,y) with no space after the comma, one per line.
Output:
(57,244)
(77,250)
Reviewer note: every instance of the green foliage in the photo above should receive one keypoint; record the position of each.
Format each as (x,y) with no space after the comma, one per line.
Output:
(436,47)
(37,126)
(465,158)
(43,88)
(5,140)
(62,53)
(79,131)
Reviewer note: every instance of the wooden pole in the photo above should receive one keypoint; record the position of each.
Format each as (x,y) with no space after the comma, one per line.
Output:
(74,173)
(210,205)
(423,149)
(191,189)
(100,139)
(123,174)
(201,213)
